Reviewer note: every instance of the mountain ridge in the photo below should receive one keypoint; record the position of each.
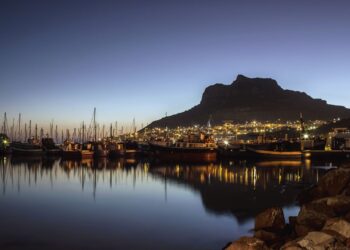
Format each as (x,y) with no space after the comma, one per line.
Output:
(247,99)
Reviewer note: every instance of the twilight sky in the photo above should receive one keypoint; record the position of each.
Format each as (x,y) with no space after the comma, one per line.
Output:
(59,59)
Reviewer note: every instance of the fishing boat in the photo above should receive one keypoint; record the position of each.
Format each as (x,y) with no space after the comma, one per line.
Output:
(86,150)
(30,148)
(116,149)
(71,150)
(193,147)
(275,153)
(49,147)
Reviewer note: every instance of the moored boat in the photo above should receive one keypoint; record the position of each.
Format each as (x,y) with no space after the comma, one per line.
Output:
(30,148)
(194,148)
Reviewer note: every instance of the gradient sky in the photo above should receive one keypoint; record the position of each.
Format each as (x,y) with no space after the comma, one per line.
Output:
(60,59)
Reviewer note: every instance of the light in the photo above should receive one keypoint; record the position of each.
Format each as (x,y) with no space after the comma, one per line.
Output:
(306,136)
(5,141)
(226,142)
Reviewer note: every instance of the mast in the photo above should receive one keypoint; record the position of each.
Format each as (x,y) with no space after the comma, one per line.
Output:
(116,129)
(103,131)
(36,131)
(5,124)
(30,128)
(95,127)
(56,135)
(19,127)
(111,131)
(25,132)
(83,133)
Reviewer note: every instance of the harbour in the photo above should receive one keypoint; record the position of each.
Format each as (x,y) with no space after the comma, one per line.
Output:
(47,199)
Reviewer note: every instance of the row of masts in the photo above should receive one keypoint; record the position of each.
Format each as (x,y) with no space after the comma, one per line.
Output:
(92,132)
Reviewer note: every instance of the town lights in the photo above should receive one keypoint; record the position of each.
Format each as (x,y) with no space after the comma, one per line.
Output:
(306,136)
(226,143)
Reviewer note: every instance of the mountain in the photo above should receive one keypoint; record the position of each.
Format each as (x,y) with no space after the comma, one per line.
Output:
(249,99)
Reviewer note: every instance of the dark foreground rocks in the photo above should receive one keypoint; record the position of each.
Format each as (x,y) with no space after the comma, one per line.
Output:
(323,221)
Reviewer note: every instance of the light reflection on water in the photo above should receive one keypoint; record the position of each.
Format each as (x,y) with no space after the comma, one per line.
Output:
(129,204)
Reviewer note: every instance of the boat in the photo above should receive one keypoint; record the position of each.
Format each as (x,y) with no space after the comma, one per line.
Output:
(30,148)
(194,148)
(71,150)
(116,149)
(49,147)
(275,154)
(99,149)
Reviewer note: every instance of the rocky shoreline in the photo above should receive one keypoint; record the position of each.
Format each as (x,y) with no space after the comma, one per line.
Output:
(323,221)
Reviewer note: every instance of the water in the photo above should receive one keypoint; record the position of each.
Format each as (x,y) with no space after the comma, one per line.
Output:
(128,204)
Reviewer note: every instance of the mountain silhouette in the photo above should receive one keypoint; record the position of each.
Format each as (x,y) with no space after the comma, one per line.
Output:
(248,99)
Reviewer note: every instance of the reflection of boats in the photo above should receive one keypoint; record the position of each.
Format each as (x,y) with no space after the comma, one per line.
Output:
(29,148)
(278,163)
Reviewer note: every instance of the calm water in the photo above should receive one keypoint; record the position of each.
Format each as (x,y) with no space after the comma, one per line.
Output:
(128,204)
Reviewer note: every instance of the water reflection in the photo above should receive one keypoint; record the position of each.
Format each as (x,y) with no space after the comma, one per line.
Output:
(142,195)
(243,188)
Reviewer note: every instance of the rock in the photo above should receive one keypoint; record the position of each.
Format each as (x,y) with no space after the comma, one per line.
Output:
(331,184)
(319,240)
(266,236)
(338,225)
(292,245)
(292,221)
(247,243)
(312,217)
(272,218)
(340,204)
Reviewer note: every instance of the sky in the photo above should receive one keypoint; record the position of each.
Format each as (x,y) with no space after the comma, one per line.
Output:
(142,59)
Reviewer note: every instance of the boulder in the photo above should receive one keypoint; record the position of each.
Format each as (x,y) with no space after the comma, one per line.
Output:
(319,240)
(340,204)
(315,240)
(312,217)
(334,182)
(338,225)
(247,243)
(272,219)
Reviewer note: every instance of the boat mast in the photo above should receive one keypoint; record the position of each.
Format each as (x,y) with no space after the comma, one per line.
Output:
(5,124)
(83,133)
(25,132)
(111,131)
(95,127)
(36,131)
(30,128)
(56,135)
(19,127)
